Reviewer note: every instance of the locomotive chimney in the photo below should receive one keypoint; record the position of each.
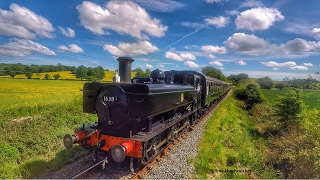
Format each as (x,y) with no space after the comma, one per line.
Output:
(125,69)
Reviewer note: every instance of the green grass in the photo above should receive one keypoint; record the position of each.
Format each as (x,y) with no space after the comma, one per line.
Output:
(230,144)
(34,117)
(312,100)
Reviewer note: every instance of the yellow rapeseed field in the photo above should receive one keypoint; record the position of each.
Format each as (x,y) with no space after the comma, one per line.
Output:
(19,93)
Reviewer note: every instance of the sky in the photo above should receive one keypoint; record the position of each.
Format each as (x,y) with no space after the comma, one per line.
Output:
(274,38)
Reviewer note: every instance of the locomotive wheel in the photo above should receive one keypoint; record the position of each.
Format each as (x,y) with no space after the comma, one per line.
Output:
(149,148)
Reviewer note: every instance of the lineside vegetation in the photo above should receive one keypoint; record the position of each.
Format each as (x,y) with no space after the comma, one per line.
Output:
(249,137)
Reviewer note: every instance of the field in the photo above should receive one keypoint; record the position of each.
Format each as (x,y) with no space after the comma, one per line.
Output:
(35,114)
(34,117)
(312,100)
(66,75)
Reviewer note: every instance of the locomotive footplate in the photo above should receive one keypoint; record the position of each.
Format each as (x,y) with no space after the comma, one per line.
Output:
(146,136)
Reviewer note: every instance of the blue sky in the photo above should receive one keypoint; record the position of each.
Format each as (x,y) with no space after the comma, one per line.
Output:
(279,38)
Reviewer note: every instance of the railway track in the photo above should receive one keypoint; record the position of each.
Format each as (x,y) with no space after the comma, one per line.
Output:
(102,165)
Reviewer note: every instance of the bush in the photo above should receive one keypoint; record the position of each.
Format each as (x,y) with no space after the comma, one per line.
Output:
(250,93)
(289,107)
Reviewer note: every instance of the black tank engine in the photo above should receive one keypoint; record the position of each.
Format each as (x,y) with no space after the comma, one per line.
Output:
(138,117)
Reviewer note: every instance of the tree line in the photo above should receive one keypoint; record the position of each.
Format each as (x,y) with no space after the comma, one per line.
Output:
(82,72)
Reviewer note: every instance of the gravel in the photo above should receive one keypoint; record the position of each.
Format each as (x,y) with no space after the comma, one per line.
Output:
(176,163)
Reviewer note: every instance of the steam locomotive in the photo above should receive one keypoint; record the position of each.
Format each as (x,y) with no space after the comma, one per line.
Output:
(138,117)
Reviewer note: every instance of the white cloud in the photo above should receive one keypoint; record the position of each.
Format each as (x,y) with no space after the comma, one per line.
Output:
(299,45)
(149,66)
(214,49)
(187,56)
(68,32)
(73,48)
(18,47)
(191,64)
(217,63)
(124,17)
(181,57)
(219,22)
(212,56)
(126,49)
(299,68)
(253,45)
(291,64)
(307,64)
(161,6)
(316,33)
(248,44)
(260,18)
(21,22)
(251,3)
(275,64)
(212,1)
(241,63)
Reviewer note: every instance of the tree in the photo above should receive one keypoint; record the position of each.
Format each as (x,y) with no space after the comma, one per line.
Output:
(265,83)
(141,74)
(289,107)
(60,67)
(213,72)
(236,79)
(47,76)
(81,72)
(56,76)
(99,72)
(29,75)
(12,74)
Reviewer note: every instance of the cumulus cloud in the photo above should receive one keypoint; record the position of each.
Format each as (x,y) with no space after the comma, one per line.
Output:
(68,32)
(291,64)
(124,17)
(22,22)
(18,47)
(219,22)
(299,45)
(275,64)
(259,18)
(212,56)
(299,68)
(248,44)
(217,63)
(307,64)
(316,33)
(253,45)
(191,64)
(241,63)
(127,49)
(179,57)
(173,56)
(149,66)
(214,49)
(73,48)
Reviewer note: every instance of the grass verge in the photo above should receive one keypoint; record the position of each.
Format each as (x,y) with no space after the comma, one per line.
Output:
(231,146)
